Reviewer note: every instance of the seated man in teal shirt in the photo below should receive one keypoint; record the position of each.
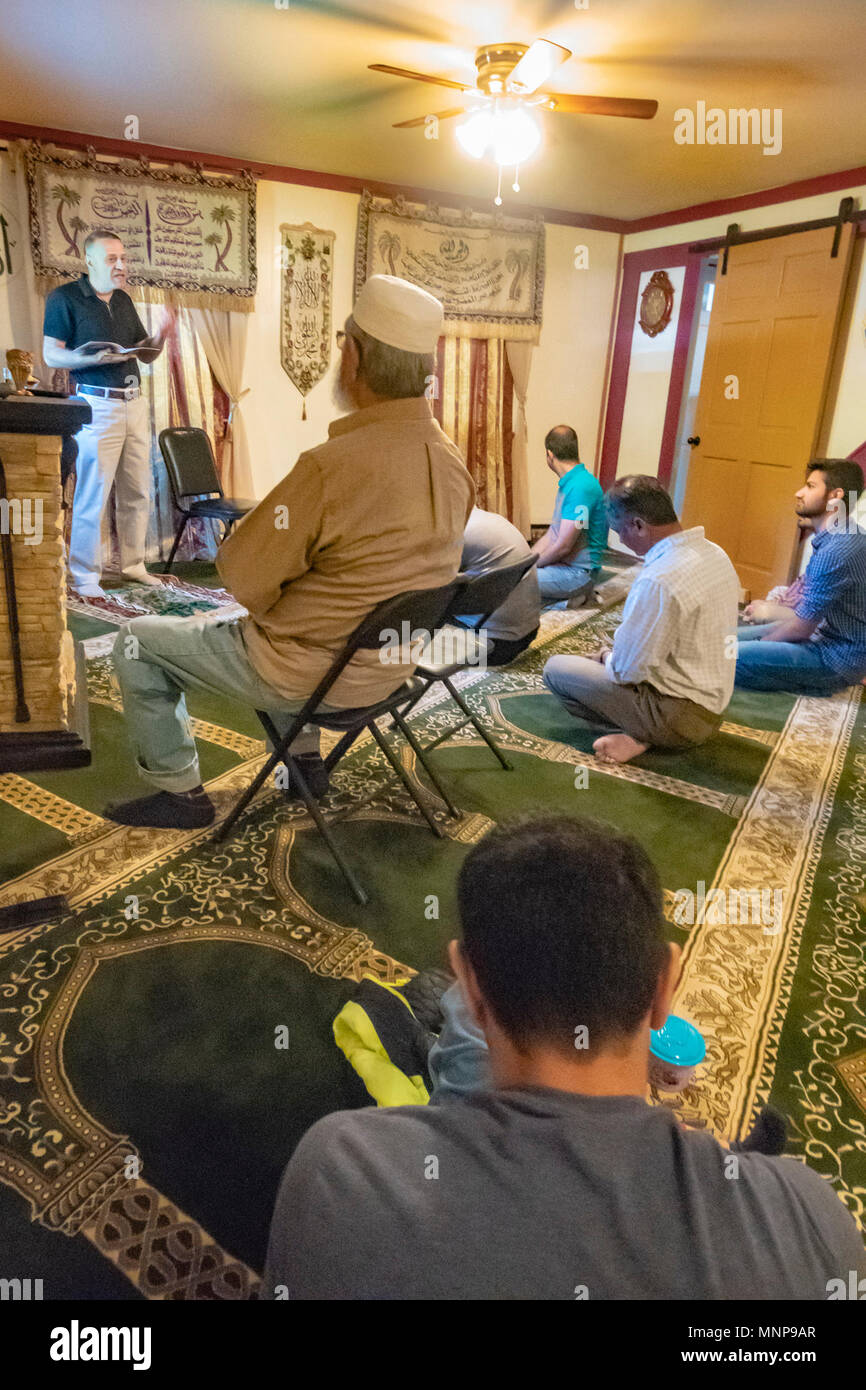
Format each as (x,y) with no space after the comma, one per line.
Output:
(570,551)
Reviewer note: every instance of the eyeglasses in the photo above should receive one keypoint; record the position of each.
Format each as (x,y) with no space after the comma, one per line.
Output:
(341,339)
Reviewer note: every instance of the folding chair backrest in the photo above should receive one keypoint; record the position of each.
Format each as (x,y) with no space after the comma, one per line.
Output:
(189,462)
(482,594)
(421,610)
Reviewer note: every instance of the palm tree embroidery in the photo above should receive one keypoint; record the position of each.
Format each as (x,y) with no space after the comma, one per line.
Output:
(223,216)
(518,261)
(214,239)
(66,195)
(78,226)
(389,247)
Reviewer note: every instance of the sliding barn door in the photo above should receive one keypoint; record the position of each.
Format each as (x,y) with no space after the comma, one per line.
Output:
(769,351)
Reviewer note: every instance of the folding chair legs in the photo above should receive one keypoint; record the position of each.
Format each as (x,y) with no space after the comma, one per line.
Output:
(420,754)
(180,530)
(325,832)
(479,728)
(341,748)
(239,808)
(404,778)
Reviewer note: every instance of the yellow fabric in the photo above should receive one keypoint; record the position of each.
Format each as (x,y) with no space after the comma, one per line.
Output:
(457,407)
(360,1044)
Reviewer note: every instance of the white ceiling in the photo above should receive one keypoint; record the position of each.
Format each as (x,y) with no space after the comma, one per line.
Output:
(287,83)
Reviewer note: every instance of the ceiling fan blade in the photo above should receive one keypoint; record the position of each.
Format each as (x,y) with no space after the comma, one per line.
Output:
(440,116)
(420,77)
(537,65)
(569,103)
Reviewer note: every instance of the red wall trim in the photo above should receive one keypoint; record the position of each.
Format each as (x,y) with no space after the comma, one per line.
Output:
(634,264)
(783,193)
(310,178)
(608,362)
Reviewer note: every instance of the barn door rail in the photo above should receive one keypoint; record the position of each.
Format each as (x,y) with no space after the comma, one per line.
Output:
(848,212)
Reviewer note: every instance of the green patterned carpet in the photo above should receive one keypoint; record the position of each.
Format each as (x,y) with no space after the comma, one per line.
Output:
(145,1112)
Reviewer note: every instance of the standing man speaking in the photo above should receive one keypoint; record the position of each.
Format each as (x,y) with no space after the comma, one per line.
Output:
(115,446)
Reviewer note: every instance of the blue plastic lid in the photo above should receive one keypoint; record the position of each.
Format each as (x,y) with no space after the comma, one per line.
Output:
(678,1042)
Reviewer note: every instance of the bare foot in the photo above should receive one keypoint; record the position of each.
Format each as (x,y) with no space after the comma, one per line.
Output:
(618,748)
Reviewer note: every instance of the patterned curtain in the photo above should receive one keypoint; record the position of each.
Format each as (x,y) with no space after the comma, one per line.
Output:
(178,389)
(473,404)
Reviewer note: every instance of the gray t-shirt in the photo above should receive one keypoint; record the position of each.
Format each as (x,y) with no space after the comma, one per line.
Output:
(539,1194)
(490,542)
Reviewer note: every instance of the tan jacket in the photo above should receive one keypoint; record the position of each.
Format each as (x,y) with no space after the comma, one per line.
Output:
(378,509)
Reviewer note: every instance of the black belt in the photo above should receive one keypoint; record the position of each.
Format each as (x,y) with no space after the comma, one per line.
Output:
(114,393)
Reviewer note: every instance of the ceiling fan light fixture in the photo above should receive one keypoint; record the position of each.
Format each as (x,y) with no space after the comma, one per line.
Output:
(476,134)
(516,136)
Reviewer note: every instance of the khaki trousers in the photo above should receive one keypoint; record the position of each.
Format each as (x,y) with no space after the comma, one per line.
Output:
(586,689)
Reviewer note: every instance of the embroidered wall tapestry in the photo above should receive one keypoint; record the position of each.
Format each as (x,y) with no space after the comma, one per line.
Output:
(487,269)
(307,262)
(184,231)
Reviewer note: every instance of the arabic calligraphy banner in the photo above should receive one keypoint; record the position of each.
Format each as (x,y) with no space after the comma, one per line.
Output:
(184,231)
(487,269)
(305,306)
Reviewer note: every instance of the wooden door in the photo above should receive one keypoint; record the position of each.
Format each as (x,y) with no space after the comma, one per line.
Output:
(769,352)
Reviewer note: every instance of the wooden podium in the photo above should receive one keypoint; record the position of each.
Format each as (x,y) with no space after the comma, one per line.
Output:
(43,693)
(43,684)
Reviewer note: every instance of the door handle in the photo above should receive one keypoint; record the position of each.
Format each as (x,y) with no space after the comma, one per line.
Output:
(693,439)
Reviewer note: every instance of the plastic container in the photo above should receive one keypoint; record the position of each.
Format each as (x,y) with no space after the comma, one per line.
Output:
(676,1050)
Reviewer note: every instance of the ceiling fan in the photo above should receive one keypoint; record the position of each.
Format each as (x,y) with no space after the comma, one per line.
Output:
(509,84)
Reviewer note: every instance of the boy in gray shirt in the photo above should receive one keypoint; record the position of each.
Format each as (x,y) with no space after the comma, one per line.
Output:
(557,1180)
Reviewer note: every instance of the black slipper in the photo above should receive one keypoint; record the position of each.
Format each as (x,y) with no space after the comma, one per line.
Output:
(164,811)
(314,773)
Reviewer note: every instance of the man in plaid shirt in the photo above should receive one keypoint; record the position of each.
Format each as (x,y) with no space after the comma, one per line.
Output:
(667,678)
(819,647)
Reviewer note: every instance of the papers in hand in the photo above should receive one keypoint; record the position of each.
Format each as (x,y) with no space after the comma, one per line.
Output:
(115,348)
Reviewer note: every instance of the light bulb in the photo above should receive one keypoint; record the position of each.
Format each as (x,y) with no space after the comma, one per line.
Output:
(475,134)
(516,136)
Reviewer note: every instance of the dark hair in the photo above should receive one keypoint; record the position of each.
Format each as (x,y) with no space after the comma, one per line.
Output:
(100,234)
(562,924)
(639,495)
(562,443)
(843,473)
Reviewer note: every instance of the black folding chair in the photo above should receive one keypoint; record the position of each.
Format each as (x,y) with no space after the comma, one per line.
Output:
(480,597)
(421,610)
(189,463)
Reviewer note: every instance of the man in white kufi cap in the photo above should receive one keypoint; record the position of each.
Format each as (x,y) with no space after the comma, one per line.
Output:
(378,509)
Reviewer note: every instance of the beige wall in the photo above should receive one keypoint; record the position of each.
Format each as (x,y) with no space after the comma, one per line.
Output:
(568,369)
(569,365)
(272,410)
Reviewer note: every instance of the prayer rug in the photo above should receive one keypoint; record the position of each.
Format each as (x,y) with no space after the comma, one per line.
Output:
(164,1047)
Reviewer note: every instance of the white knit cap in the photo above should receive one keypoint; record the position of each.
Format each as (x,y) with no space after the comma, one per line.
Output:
(399,313)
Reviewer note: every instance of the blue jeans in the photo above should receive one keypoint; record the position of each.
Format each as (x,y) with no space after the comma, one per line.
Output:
(157,659)
(793,666)
(556,582)
(458,1060)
